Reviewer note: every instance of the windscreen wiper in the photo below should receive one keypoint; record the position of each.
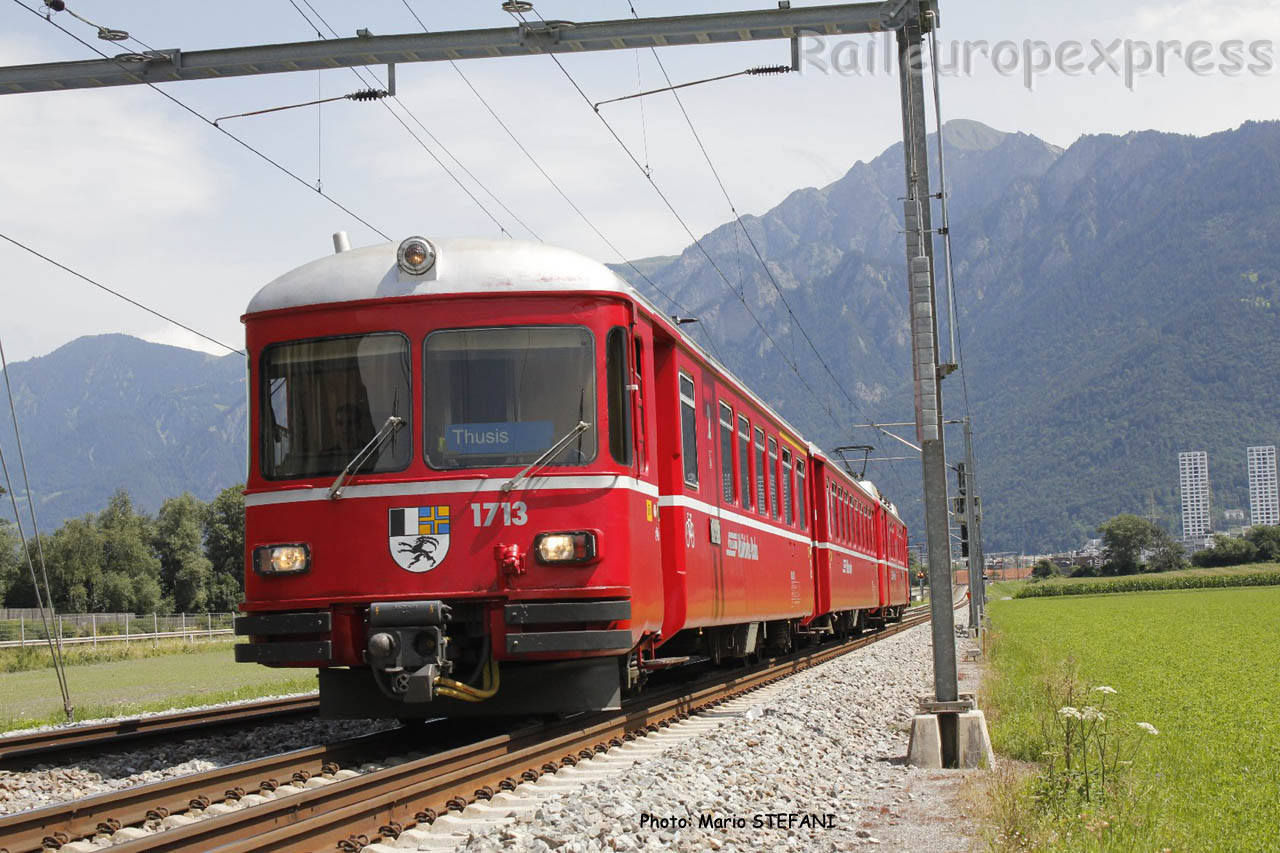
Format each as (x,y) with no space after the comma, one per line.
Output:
(388,429)
(551,453)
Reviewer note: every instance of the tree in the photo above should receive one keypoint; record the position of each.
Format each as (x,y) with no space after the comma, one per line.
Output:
(127,538)
(1266,538)
(1226,551)
(74,561)
(1044,569)
(224,546)
(1124,538)
(184,569)
(1167,555)
(10,565)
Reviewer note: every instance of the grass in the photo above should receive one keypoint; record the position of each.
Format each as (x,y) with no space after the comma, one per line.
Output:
(204,676)
(1200,666)
(1255,574)
(997,590)
(38,657)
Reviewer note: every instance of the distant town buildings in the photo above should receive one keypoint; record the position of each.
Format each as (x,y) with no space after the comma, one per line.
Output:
(1264,504)
(1193,474)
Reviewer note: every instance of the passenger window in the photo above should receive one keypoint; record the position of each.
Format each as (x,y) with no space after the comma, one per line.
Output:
(744,459)
(638,378)
(689,430)
(773,477)
(804,519)
(619,402)
(786,486)
(762,503)
(726,452)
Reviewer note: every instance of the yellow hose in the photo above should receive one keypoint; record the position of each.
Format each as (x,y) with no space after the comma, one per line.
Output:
(458,690)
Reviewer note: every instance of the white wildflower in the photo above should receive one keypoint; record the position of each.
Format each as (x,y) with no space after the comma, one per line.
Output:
(1105,689)
(1148,728)
(1068,711)
(1090,714)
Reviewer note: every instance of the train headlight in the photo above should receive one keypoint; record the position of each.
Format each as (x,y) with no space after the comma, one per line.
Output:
(416,255)
(575,547)
(282,559)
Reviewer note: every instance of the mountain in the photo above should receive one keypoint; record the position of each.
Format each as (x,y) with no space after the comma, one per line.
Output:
(111,411)
(1119,302)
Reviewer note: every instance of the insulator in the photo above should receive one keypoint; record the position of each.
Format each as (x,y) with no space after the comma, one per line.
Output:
(367,95)
(769,69)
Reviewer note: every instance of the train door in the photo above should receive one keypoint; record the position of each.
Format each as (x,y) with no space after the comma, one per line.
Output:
(879,519)
(693,589)
(730,546)
(666,414)
(648,583)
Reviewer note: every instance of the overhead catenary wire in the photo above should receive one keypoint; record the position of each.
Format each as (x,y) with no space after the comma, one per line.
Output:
(361,95)
(759,255)
(954,318)
(697,242)
(104,33)
(118,294)
(683,224)
(672,87)
(54,637)
(556,186)
(348,211)
(428,132)
(755,247)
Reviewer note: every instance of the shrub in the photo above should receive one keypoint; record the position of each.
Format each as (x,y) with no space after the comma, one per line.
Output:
(1226,551)
(1149,583)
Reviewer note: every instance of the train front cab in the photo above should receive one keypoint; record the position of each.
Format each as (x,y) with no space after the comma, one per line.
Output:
(459,572)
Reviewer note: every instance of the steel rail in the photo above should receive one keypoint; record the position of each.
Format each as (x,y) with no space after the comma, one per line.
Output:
(43,745)
(320,817)
(60,823)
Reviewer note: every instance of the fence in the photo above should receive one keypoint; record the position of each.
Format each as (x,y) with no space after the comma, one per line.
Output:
(28,629)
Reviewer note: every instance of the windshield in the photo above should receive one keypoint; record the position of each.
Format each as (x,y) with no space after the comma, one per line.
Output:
(498,397)
(323,400)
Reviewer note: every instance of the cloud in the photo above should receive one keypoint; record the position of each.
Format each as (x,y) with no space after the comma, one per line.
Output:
(1211,20)
(105,161)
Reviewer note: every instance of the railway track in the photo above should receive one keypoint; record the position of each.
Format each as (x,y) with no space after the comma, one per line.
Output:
(313,799)
(52,744)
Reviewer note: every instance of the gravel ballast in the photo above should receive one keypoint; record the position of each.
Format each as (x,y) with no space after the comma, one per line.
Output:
(815,762)
(42,784)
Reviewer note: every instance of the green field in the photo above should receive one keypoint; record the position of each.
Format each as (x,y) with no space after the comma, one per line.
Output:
(1201,666)
(117,688)
(1253,574)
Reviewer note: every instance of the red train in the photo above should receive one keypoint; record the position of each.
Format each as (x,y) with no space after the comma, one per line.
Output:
(489,477)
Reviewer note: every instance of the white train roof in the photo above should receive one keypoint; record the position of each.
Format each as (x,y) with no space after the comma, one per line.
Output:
(479,265)
(463,265)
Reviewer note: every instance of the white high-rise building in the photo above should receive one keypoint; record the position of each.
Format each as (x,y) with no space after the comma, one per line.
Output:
(1193,474)
(1264,504)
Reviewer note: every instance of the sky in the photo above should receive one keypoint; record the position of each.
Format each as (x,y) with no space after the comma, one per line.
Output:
(127,188)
